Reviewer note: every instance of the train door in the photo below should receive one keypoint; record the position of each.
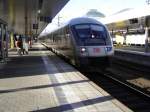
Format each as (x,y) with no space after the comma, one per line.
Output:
(3,42)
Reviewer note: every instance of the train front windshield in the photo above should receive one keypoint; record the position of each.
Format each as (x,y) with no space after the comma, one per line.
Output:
(89,34)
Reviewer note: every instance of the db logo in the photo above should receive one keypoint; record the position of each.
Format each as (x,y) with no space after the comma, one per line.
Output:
(96,50)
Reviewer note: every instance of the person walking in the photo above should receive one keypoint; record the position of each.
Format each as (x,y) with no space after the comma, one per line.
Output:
(19,46)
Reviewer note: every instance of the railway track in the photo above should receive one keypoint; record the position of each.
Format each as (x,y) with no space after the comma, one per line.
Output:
(128,95)
(136,74)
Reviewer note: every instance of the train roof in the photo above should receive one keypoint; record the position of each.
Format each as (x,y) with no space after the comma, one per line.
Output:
(79,20)
(75,21)
(82,20)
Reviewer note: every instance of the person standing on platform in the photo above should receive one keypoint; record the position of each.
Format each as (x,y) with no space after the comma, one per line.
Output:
(25,45)
(19,45)
(30,42)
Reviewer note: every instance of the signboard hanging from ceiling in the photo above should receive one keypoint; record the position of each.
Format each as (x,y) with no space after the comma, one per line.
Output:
(46,19)
(35,26)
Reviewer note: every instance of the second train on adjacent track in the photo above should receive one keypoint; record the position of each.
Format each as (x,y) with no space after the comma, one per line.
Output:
(83,41)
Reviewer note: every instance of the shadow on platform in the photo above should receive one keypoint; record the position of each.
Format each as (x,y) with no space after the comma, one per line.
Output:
(71,106)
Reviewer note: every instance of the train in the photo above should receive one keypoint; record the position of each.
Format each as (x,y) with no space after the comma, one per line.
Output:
(84,41)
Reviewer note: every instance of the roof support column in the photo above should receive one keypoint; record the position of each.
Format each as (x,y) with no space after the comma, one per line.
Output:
(26,17)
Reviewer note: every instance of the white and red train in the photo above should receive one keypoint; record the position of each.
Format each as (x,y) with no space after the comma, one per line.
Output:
(84,41)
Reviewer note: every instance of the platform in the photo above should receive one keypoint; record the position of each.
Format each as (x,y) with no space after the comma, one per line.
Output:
(137,57)
(43,82)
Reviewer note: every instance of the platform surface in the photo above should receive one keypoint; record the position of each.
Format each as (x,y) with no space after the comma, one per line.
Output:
(43,82)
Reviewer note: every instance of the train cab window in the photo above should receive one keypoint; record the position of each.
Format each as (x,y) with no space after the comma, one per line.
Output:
(91,34)
(98,32)
(83,31)
(91,31)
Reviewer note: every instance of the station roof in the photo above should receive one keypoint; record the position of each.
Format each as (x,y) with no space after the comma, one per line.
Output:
(128,14)
(20,15)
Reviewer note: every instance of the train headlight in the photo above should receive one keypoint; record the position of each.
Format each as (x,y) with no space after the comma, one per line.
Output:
(83,49)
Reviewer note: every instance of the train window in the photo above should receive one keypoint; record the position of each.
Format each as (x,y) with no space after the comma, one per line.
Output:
(133,21)
(98,31)
(97,28)
(82,27)
(90,31)
(92,34)
(83,31)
